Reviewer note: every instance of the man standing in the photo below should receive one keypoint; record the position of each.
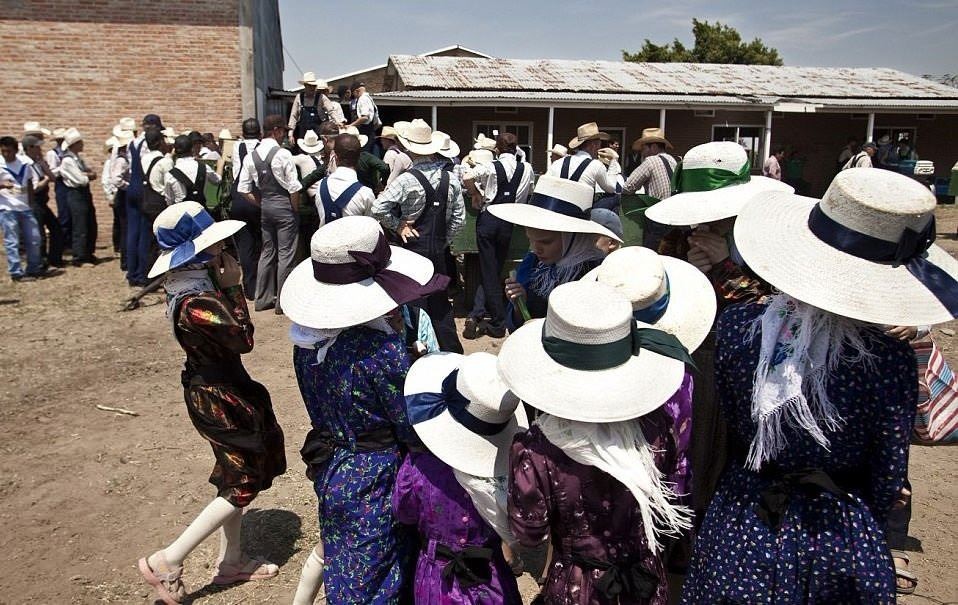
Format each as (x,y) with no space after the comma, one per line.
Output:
(139,234)
(430,213)
(16,217)
(862,159)
(506,180)
(311,107)
(655,174)
(851,148)
(154,164)
(76,176)
(340,193)
(364,113)
(773,165)
(51,245)
(394,157)
(270,169)
(583,166)
(249,239)
(186,180)
(59,191)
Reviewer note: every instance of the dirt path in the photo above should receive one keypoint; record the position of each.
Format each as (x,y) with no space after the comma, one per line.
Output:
(84,493)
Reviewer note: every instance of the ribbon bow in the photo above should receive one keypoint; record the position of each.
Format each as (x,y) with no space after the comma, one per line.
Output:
(776,496)
(632,580)
(685,180)
(590,357)
(425,406)
(180,239)
(469,566)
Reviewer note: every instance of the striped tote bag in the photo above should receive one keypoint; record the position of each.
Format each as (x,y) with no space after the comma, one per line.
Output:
(936,422)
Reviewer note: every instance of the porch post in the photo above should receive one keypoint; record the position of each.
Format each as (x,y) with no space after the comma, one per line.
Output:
(435,117)
(549,136)
(662,119)
(767,139)
(870,129)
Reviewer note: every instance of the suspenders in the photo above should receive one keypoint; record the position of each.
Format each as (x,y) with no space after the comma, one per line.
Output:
(506,190)
(567,162)
(334,208)
(194,191)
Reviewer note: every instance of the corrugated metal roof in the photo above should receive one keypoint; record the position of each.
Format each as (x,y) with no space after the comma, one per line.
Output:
(522,98)
(467,73)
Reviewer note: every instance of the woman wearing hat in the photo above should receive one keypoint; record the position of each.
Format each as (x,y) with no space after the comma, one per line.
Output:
(466,417)
(351,363)
(820,401)
(210,321)
(592,471)
(562,241)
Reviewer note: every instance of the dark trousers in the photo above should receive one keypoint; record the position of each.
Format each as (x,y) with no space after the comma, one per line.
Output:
(896,526)
(119,226)
(248,242)
(83,217)
(149,248)
(135,248)
(439,309)
(63,213)
(493,238)
(51,235)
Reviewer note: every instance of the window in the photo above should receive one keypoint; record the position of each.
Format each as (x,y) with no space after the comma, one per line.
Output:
(749,137)
(522,130)
(895,134)
(616,133)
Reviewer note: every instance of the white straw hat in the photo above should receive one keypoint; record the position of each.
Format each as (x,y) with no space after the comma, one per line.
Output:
(542,362)
(226,135)
(71,136)
(713,182)
(484,142)
(111,143)
(419,138)
(479,156)
(463,412)
(124,137)
(555,205)
(34,128)
(450,149)
(363,139)
(309,78)
(59,133)
(865,214)
(588,132)
(354,276)
(559,150)
(311,142)
(126,123)
(665,292)
(184,230)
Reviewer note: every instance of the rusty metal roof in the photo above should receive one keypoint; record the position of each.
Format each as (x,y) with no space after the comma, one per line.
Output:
(557,99)
(617,77)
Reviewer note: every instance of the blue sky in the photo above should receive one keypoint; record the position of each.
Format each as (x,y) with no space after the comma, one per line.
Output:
(332,38)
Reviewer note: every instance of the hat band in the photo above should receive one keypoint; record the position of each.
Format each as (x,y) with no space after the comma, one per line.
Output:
(181,238)
(399,287)
(426,406)
(579,356)
(909,251)
(686,180)
(656,310)
(547,202)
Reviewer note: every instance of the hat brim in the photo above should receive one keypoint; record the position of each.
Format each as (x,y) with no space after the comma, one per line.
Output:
(602,136)
(527,215)
(216,232)
(430,148)
(452,152)
(692,303)
(635,388)
(637,145)
(320,305)
(301,143)
(697,207)
(773,236)
(446,438)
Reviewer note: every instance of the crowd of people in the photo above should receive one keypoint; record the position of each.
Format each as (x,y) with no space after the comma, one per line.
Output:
(710,405)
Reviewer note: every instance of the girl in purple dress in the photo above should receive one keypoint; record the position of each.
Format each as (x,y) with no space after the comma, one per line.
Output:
(467,418)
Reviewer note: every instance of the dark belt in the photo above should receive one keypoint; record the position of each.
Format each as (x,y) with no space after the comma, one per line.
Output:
(632,580)
(320,446)
(222,373)
(470,565)
(776,496)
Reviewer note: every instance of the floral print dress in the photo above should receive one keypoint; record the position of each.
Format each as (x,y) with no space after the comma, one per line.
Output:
(829,545)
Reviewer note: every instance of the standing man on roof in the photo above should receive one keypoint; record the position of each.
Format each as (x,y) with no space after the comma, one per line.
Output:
(582,166)
(312,107)
(364,113)
(655,174)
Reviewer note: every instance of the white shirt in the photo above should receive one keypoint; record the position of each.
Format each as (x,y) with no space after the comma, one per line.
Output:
(597,174)
(772,169)
(158,176)
(284,170)
(360,205)
(365,107)
(859,160)
(208,154)
(397,161)
(306,164)
(73,171)
(119,177)
(251,144)
(485,177)
(173,190)
(22,175)
(53,161)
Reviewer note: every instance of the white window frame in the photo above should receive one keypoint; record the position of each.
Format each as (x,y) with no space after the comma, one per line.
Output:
(526,147)
(757,160)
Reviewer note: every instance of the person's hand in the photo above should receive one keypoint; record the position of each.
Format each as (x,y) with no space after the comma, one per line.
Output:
(91,175)
(227,270)
(606,155)
(714,246)
(904,497)
(514,289)
(406,232)
(7,185)
(699,259)
(904,333)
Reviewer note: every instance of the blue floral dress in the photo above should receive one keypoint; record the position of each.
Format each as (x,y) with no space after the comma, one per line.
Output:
(830,545)
(358,390)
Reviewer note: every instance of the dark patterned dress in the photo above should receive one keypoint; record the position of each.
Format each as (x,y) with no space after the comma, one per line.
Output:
(829,548)
(228,408)
(358,391)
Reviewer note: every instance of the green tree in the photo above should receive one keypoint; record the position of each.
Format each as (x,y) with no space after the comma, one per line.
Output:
(714,43)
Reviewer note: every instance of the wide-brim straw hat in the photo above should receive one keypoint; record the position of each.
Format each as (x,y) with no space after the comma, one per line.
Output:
(555,205)
(127,123)
(490,401)
(70,137)
(484,142)
(419,138)
(665,292)
(184,230)
(111,143)
(588,314)
(226,135)
(450,149)
(341,302)
(388,132)
(309,79)
(124,137)
(118,130)
(713,183)
(311,142)
(59,133)
(588,132)
(651,135)
(34,128)
(876,214)
(559,150)
(363,139)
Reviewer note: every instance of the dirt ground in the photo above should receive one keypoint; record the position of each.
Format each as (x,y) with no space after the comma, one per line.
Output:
(84,493)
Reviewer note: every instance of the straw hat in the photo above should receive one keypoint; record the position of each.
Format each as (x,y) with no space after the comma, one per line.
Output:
(184,230)
(111,143)
(555,205)
(353,276)
(463,412)
(363,139)
(34,128)
(309,79)
(226,135)
(665,292)
(59,133)
(450,149)
(311,142)
(127,123)
(651,135)
(118,130)
(124,137)
(71,136)
(587,132)
(419,138)
(479,156)
(559,150)
(542,362)
(713,182)
(865,214)
(484,142)
(388,132)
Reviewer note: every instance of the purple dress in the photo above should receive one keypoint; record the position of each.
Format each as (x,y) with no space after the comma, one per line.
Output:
(589,514)
(428,496)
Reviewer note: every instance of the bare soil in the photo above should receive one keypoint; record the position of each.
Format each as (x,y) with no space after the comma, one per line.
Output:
(84,492)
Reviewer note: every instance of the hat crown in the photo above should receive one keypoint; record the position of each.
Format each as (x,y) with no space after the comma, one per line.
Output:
(127,123)
(721,155)
(879,203)
(333,241)
(587,130)
(588,313)
(573,192)
(310,138)
(635,272)
(489,398)
(653,132)
(172,214)
(418,131)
